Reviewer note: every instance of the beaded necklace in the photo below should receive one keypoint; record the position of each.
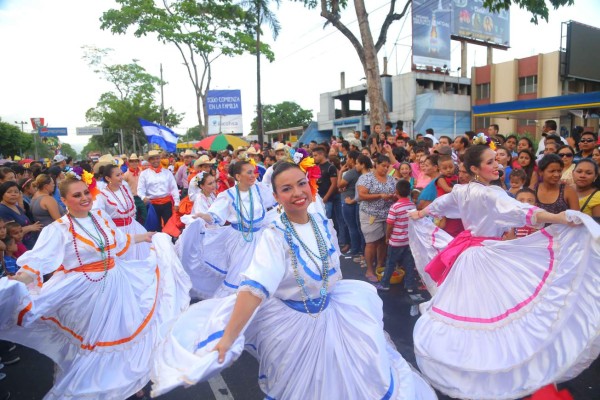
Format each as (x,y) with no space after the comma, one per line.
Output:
(101,241)
(323,256)
(128,205)
(249,234)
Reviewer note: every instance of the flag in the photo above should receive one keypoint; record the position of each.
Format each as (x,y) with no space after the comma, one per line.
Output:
(159,135)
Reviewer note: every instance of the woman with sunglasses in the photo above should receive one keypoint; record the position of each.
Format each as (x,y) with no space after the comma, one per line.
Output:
(586,146)
(566,154)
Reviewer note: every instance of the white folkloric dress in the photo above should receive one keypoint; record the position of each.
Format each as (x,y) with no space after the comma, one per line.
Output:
(190,248)
(510,316)
(228,251)
(120,207)
(341,354)
(99,322)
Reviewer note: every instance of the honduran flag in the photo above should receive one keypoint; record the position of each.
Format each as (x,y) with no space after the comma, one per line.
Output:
(159,135)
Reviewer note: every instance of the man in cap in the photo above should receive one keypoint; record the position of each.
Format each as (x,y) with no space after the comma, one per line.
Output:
(124,166)
(60,161)
(132,176)
(181,176)
(157,185)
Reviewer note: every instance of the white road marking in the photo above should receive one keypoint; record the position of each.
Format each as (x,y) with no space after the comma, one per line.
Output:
(219,388)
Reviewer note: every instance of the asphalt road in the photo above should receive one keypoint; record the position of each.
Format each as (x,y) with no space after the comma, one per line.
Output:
(31,378)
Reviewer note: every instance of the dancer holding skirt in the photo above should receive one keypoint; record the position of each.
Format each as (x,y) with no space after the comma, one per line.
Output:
(315,335)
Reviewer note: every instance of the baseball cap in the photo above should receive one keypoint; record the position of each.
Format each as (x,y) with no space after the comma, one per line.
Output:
(59,158)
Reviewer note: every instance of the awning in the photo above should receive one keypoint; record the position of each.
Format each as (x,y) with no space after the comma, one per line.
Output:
(543,108)
(313,133)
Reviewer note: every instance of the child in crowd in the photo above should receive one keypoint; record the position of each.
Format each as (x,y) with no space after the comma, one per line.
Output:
(15,231)
(517,181)
(397,239)
(444,183)
(10,260)
(405,172)
(524,195)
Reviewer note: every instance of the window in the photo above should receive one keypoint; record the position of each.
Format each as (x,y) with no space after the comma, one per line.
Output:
(526,122)
(482,123)
(528,84)
(483,91)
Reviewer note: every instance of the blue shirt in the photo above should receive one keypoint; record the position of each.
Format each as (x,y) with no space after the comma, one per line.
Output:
(11,264)
(429,193)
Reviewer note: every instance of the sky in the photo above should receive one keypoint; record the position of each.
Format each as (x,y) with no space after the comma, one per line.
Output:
(43,74)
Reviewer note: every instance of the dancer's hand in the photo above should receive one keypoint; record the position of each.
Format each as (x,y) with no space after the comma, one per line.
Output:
(414,214)
(222,347)
(144,237)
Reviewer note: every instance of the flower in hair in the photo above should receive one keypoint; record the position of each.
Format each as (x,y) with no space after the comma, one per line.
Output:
(308,166)
(481,138)
(73,174)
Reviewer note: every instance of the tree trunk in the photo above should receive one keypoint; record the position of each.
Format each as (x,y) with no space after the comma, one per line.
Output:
(370,66)
(259,118)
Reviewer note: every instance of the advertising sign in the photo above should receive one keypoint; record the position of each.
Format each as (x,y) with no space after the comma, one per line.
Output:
(89,130)
(50,132)
(431,26)
(224,109)
(473,21)
(226,124)
(224,102)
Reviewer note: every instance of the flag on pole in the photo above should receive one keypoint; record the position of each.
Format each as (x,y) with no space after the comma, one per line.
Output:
(159,135)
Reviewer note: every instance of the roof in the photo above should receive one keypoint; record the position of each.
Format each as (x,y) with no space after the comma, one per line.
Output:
(542,108)
(312,133)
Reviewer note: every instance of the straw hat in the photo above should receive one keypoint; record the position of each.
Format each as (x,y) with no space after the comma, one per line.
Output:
(190,153)
(133,156)
(251,151)
(107,159)
(203,160)
(280,146)
(153,153)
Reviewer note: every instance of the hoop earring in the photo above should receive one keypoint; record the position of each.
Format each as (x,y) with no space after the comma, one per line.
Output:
(476,177)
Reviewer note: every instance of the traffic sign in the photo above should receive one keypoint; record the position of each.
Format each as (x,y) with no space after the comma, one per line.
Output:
(46,132)
(89,130)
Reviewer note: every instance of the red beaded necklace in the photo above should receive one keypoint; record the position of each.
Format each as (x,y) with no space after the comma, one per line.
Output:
(129,204)
(104,246)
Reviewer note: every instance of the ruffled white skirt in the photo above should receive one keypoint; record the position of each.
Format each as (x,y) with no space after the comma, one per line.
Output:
(139,251)
(190,250)
(511,316)
(102,335)
(343,354)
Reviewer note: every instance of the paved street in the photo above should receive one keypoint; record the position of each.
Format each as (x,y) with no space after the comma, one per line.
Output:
(31,378)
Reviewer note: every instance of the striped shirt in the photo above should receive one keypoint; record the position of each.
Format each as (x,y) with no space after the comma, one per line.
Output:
(398,218)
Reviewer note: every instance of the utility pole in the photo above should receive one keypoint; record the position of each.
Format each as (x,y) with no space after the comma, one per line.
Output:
(162,99)
(122,142)
(259,116)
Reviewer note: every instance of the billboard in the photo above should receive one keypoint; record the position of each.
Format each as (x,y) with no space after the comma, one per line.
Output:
(431,29)
(472,21)
(435,22)
(224,108)
(583,52)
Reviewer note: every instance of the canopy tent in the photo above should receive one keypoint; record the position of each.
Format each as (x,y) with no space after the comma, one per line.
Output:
(542,108)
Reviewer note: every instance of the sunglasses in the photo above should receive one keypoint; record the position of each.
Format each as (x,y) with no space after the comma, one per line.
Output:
(587,141)
(569,155)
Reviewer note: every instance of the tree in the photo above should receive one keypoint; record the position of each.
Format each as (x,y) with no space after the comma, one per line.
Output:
(118,111)
(68,151)
(260,9)
(202,31)
(14,142)
(283,115)
(367,49)
(538,8)
(194,133)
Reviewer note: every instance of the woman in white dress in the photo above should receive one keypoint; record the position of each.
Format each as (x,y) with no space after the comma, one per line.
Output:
(98,317)
(509,316)
(246,209)
(315,336)
(116,200)
(190,245)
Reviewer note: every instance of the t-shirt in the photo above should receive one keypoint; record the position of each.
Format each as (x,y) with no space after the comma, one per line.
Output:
(350,176)
(398,218)
(10,263)
(594,202)
(328,171)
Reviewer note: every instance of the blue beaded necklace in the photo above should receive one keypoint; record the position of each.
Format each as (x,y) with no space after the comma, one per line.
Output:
(248,234)
(322,264)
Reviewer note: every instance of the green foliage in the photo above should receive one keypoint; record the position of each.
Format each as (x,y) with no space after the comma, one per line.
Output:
(283,115)
(538,8)
(68,151)
(194,133)
(14,142)
(133,97)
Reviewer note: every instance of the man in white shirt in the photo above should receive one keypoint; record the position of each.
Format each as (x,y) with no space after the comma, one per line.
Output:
(158,187)
(181,176)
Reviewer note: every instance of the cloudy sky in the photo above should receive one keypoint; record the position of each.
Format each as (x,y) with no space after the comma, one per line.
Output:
(42,73)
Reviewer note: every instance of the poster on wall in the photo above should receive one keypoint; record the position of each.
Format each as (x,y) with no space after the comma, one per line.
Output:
(431,28)
(224,109)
